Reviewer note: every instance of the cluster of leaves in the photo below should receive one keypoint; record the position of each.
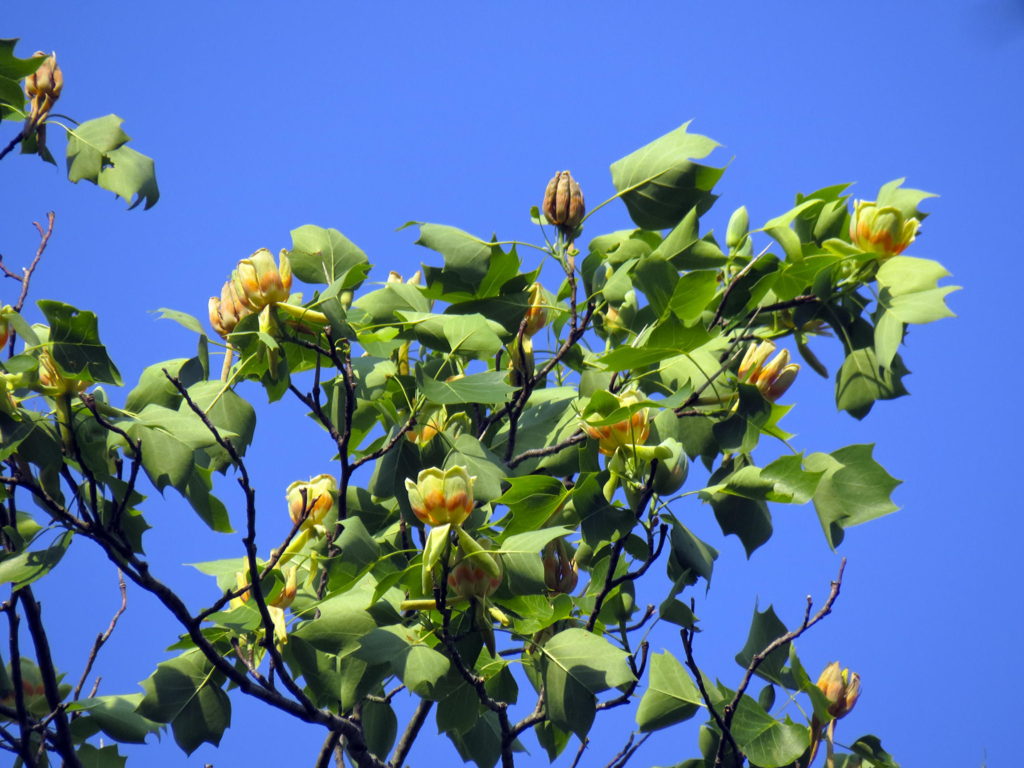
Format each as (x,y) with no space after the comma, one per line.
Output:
(97,150)
(646,327)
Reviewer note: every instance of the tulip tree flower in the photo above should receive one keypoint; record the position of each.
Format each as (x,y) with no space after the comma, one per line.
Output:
(883,230)
(627,433)
(773,378)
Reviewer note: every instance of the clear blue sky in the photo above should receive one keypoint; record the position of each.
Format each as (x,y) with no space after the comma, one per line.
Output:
(365,116)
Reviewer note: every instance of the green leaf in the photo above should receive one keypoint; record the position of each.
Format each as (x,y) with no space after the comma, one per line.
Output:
(903,198)
(116,717)
(658,182)
(380,725)
(182,318)
(671,697)
(862,380)
(420,667)
(343,622)
(96,153)
(481,743)
(100,757)
(599,519)
(765,628)
(155,388)
(24,568)
(692,294)
(13,67)
(767,742)
(487,468)
(749,519)
(75,343)
(853,489)
(186,693)
(466,257)
(689,553)
(321,255)
(589,659)
(531,500)
(471,335)
(909,289)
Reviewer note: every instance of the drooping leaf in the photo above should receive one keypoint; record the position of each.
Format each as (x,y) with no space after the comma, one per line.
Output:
(765,628)
(767,742)
(75,343)
(671,696)
(24,568)
(853,489)
(117,717)
(96,152)
(185,692)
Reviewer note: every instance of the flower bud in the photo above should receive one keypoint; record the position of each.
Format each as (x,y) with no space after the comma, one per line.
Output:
(671,472)
(629,432)
(841,688)
(537,313)
(427,426)
(441,496)
(883,230)
(563,202)
(470,578)
(259,282)
(521,360)
(772,378)
(43,88)
(394,277)
(5,325)
(291,587)
(561,573)
(310,501)
(52,382)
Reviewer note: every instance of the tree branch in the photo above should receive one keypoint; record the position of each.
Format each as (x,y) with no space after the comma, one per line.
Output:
(411,732)
(103,637)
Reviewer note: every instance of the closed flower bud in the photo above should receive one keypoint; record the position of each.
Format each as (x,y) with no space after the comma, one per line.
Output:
(841,687)
(883,230)
(771,378)
(43,88)
(310,501)
(561,573)
(426,428)
(52,382)
(394,277)
(291,587)
(537,312)
(441,496)
(563,202)
(469,578)
(5,325)
(629,432)
(259,281)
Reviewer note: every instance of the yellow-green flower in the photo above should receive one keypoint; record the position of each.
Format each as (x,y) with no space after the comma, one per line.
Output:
(884,230)
(841,687)
(441,497)
(771,378)
(309,501)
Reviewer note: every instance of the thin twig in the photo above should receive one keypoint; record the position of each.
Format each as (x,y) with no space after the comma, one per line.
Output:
(576,437)
(19,690)
(584,743)
(627,751)
(687,637)
(12,144)
(44,238)
(104,636)
(807,623)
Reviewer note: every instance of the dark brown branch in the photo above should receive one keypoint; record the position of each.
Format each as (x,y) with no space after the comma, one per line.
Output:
(627,694)
(732,284)
(630,749)
(249,542)
(576,437)
(323,759)
(610,581)
(12,144)
(387,447)
(63,743)
(687,637)
(412,730)
(19,691)
(103,637)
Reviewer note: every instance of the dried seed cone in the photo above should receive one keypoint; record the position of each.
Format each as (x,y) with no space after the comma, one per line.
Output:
(563,202)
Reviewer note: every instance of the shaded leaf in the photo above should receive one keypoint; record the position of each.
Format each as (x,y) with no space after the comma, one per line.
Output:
(671,696)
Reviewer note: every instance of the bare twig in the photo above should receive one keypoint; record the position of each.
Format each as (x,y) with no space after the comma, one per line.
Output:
(12,144)
(808,622)
(584,743)
(19,691)
(687,637)
(104,636)
(627,751)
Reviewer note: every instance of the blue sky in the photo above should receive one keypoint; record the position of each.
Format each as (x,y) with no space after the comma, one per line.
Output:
(364,116)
